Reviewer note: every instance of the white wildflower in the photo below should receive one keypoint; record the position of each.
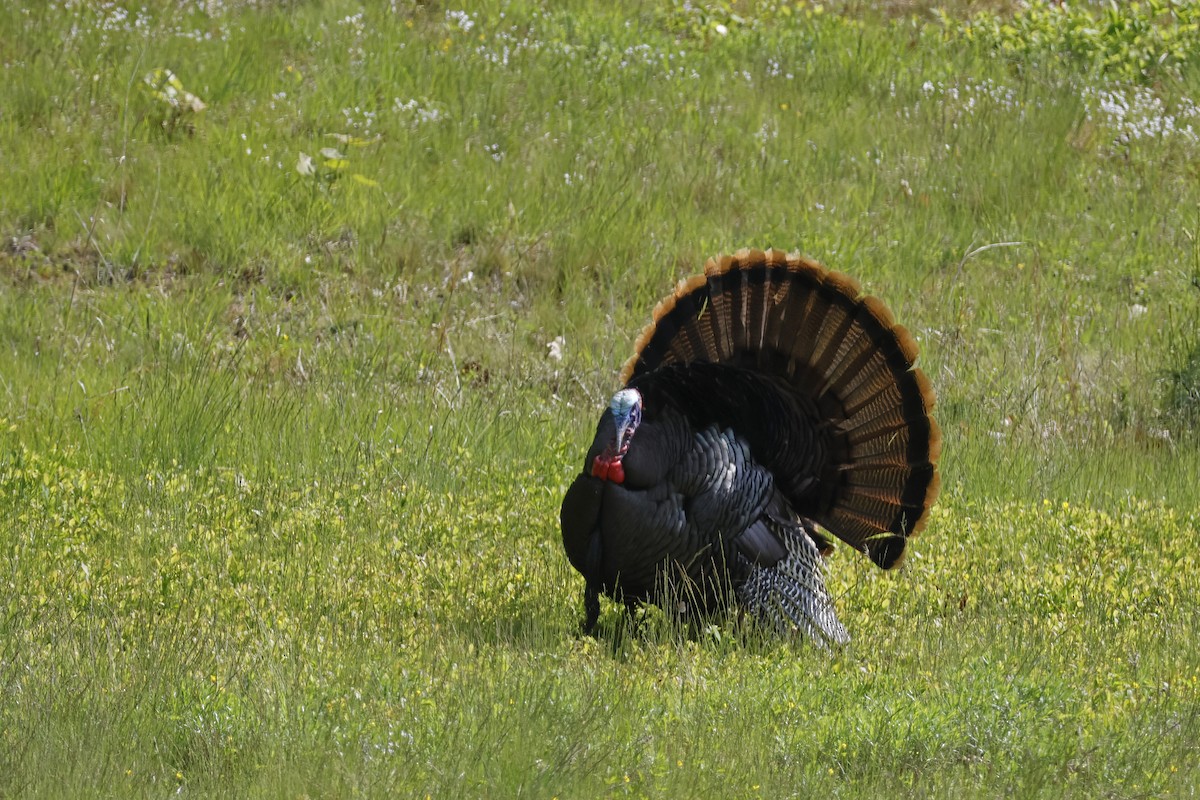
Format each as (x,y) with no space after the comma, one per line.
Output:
(462,19)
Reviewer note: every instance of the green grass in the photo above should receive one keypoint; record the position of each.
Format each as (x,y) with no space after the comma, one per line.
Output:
(281,454)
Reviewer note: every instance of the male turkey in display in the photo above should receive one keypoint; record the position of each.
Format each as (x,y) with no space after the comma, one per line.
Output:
(766,398)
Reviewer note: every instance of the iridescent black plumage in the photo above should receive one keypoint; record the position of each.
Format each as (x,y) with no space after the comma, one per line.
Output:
(773,399)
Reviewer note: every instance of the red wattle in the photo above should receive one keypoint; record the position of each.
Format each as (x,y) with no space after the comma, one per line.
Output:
(608,469)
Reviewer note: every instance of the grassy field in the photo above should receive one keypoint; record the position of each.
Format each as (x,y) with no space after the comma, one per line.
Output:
(283,436)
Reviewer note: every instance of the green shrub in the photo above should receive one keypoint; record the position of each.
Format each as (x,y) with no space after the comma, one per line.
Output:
(1130,41)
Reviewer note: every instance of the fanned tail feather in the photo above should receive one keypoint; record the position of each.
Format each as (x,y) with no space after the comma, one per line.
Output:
(842,354)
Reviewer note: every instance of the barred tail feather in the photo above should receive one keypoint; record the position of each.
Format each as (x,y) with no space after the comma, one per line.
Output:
(843,354)
(791,594)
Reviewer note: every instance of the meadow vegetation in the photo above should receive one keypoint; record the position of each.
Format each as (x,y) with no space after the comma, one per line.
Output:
(307,311)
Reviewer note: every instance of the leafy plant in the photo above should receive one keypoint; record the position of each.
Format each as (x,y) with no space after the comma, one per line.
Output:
(1130,41)
(330,163)
(173,107)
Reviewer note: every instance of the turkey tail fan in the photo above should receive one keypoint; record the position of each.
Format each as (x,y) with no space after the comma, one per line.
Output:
(834,350)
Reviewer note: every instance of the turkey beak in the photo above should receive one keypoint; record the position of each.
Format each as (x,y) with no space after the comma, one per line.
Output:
(621,440)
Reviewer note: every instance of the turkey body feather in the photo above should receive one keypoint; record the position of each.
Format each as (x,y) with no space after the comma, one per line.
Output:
(766,401)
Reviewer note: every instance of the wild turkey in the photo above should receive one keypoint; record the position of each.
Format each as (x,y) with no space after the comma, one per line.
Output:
(766,398)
